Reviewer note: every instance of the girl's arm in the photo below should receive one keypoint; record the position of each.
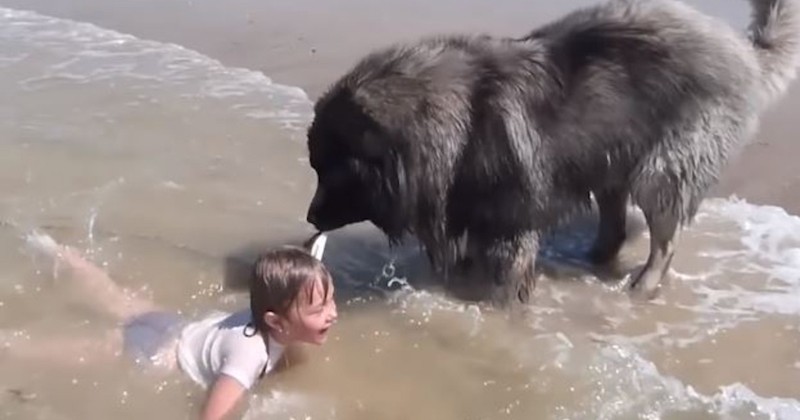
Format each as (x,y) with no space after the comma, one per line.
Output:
(223,397)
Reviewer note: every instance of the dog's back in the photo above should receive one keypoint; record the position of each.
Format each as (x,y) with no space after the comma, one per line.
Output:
(644,87)
(650,97)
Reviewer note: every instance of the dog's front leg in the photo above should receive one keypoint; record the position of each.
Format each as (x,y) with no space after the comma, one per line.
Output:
(512,265)
(611,205)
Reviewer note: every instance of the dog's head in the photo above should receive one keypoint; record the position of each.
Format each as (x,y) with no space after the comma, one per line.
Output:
(359,167)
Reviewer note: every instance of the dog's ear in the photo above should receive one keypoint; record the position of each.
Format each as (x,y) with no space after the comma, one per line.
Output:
(381,151)
(395,176)
(398,199)
(347,120)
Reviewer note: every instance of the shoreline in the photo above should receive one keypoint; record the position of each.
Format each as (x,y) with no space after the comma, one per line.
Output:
(309,44)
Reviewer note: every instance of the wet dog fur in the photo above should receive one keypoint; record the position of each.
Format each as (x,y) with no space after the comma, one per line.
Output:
(479,145)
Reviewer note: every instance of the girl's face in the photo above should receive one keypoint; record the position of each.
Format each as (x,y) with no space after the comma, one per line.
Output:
(310,316)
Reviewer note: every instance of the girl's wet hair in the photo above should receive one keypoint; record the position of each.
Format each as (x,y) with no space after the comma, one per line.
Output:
(277,280)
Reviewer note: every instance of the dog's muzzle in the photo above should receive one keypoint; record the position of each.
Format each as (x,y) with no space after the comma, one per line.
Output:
(313,208)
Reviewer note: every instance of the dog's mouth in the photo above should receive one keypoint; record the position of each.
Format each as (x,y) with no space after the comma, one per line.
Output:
(325,227)
(326,219)
(320,225)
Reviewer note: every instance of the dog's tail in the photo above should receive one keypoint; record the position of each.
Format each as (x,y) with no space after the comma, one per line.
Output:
(775,33)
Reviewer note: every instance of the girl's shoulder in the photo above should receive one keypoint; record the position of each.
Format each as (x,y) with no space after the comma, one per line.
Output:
(238,319)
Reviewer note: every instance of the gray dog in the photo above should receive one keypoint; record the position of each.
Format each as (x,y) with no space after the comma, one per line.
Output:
(479,145)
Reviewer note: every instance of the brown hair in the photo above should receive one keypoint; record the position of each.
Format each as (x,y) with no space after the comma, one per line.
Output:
(277,279)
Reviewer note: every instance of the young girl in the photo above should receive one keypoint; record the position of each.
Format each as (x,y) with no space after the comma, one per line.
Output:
(291,301)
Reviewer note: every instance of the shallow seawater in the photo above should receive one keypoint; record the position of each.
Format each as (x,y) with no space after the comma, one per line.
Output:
(169,169)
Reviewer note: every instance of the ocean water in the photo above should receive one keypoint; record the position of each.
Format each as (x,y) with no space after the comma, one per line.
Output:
(164,166)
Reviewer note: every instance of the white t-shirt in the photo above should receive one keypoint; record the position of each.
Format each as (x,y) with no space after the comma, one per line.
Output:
(217,344)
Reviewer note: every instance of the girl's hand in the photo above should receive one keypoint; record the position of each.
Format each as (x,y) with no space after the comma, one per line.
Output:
(223,397)
(61,254)
(72,258)
(46,245)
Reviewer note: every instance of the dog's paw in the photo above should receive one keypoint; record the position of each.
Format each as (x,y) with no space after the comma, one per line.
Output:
(644,288)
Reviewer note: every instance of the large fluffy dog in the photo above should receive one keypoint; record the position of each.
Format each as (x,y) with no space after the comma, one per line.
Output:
(478,145)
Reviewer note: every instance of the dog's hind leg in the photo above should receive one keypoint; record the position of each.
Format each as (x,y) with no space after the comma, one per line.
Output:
(663,227)
(611,204)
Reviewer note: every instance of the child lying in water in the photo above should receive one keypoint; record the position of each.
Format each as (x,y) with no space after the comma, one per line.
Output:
(291,301)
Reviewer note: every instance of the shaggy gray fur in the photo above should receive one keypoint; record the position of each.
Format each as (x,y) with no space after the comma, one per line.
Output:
(478,145)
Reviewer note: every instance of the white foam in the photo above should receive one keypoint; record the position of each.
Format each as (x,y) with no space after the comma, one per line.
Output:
(621,383)
(77,52)
(288,404)
(769,253)
(421,306)
(751,271)
(768,232)
(735,398)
